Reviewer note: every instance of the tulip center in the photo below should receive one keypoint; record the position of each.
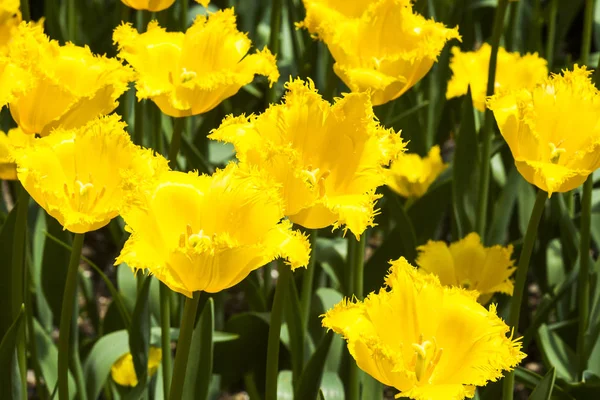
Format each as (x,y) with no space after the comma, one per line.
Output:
(316,177)
(186,75)
(426,357)
(556,152)
(193,239)
(82,197)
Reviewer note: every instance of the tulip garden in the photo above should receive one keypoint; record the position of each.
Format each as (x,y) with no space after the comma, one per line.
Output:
(299,199)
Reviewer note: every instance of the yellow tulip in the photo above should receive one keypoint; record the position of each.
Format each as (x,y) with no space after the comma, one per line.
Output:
(191,73)
(10,18)
(209,232)
(468,264)
(428,341)
(379,45)
(328,159)
(65,86)
(203,2)
(15,139)
(80,176)
(513,71)
(411,175)
(150,5)
(123,371)
(553,130)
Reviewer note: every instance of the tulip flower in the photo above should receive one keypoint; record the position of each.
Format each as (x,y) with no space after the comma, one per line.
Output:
(191,73)
(468,264)
(513,71)
(9,143)
(553,130)
(60,86)
(328,159)
(380,46)
(80,176)
(10,17)
(426,340)
(209,232)
(150,5)
(123,371)
(411,175)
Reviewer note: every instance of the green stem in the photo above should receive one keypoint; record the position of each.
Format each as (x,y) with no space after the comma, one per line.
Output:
(65,317)
(184,16)
(29,289)
(176,141)
(274,41)
(74,361)
(71,21)
(307,281)
(510,31)
(356,264)
(521,278)
(275,331)
(25,10)
(583,286)
(158,135)
(138,124)
(489,121)
(165,330)
(183,346)
(552,19)
(18,279)
(586,41)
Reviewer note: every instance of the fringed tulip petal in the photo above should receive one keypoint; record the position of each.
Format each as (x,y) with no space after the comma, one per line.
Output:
(9,143)
(428,341)
(411,175)
(150,5)
(123,371)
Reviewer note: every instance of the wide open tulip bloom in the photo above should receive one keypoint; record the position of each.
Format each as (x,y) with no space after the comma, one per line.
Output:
(428,341)
(209,232)
(328,159)
(9,143)
(553,130)
(80,176)
(411,175)
(513,71)
(66,86)
(191,73)
(468,264)
(378,45)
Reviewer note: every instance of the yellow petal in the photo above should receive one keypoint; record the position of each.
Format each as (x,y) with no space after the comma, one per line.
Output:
(411,175)
(123,371)
(150,5)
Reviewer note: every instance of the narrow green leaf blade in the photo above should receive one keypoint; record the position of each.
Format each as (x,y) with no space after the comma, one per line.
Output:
(543,391)
(310,380)
(200,363)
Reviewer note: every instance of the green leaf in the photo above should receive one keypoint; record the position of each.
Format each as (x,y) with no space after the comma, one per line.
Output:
(557,354)
(9,372)
(6,249)
(54,266)
(525,201)
(330,259)
(310,380)
(44,313)
(327,299)
(465,165)
(199,369)
(139,333)
(543,391)
(503,209)
(285,387)
(408,240)
(127,285)
(48,359)
(294,324)
(530,379)
(427,212)
(332,387)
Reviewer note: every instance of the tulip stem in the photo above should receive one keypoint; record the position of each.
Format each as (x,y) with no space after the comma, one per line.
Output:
(66,315)
(275,331)
(183,346)
(553,16)
(586,40)
(176,141)
(18,279)
(25,10)
(489,121)
(583,288)
(356,265)
(521,278)
(71,21)
(307,281)
(274,40)
(165,340)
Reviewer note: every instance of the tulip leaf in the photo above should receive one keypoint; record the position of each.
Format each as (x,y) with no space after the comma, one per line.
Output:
(6,249)
(9,371)
(427,211)
(139,333)
(502,213)
(556,353)
(330,259)
(465,164)
(285,388)
(296,333)
(332,387)
(199,369)
(54,271)
(408,242)
(310,380)
(44,313)
(531,380)
(327,299)
(543,391)
(371,388)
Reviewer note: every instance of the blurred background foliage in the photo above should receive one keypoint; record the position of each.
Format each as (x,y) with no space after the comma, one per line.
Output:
(240,316)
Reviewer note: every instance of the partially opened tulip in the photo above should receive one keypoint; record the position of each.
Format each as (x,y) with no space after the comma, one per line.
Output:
(150,5)
(380,46)
(191,73)
(428,341)
(123,370)
(65,86)
(328,159)
(80,176)
(9,143)
(411,175)
(553,130)
(207,233)
(513,71)
(468,264)
(10,17)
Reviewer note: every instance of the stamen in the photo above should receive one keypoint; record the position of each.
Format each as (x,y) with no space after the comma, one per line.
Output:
(84,188)
(186,75)
(427,356)
(555,152)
